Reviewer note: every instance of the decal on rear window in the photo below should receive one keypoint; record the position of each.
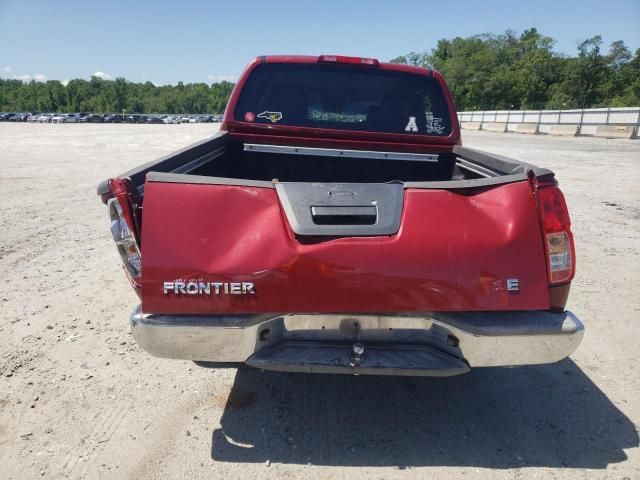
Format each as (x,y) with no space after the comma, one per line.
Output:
(249,117)
(411,126)
(435,126)
(273,116)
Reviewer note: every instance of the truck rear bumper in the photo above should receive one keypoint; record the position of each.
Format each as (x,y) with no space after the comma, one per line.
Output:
(430,344)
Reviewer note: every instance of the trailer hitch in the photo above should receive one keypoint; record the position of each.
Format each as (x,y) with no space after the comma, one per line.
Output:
(357,354)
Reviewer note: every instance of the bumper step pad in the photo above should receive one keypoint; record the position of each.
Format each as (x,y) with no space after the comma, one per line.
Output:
(312,357)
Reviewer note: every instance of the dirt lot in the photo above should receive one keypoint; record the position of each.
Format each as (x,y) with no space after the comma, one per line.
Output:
(78,398)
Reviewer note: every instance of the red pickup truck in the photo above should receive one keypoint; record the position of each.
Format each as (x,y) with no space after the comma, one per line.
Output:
(336,224)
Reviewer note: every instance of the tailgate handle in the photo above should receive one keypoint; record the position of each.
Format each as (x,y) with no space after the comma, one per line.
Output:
(342,209)
(344,215)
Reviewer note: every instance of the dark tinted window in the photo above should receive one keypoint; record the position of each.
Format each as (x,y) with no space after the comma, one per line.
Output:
(345,98)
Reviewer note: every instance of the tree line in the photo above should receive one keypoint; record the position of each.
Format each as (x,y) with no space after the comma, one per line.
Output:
(112,96)
(484,72)
(510,71)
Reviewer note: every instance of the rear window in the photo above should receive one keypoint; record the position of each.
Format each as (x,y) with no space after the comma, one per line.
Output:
(345,98)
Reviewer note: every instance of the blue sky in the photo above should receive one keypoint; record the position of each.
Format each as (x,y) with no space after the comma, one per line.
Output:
(205,41)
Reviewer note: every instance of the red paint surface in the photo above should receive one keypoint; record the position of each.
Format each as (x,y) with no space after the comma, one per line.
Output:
(453,253)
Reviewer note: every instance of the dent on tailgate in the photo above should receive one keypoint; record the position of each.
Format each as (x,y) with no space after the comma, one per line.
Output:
(453,252)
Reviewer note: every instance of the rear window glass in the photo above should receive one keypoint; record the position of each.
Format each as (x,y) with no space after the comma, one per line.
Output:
(345,98)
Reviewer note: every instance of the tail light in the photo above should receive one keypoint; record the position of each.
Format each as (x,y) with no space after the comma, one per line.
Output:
(122,232)
(558,240)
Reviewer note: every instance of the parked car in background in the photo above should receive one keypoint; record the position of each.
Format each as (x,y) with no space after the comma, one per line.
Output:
(135,118)
(45,118)
(92,118)
(64,118)
(113,118)
(85,117)
(19,117)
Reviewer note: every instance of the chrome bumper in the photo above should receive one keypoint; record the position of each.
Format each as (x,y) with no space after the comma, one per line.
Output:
(423,344)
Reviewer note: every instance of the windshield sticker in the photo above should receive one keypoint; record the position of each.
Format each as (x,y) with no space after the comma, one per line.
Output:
(434,125)
(249,117)
(411,126)
(273,116)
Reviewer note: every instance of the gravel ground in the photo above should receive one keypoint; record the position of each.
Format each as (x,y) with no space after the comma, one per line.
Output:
(78,398)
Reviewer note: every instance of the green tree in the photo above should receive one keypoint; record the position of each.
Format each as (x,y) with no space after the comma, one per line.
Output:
(491,71)
(120,94)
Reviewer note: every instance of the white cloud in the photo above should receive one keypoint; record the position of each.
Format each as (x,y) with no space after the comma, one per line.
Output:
(103,76)
(26,77)
(65,82)
(7,72)
(221,78)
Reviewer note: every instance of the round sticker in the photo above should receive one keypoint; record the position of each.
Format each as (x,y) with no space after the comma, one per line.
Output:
(249,117)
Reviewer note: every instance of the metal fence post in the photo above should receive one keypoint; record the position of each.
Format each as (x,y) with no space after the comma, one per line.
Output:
(608,115)
(539,119)
(559,116)
(638,125)
(482,119)
(581,117)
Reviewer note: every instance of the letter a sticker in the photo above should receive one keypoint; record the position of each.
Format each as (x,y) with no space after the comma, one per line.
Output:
(411,126)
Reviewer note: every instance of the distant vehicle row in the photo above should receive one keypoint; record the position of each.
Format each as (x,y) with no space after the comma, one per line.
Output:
(83,117)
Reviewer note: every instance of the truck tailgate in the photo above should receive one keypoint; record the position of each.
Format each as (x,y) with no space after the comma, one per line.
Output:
(235,243)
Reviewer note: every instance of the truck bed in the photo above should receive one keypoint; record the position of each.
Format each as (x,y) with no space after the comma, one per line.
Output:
(221,159)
